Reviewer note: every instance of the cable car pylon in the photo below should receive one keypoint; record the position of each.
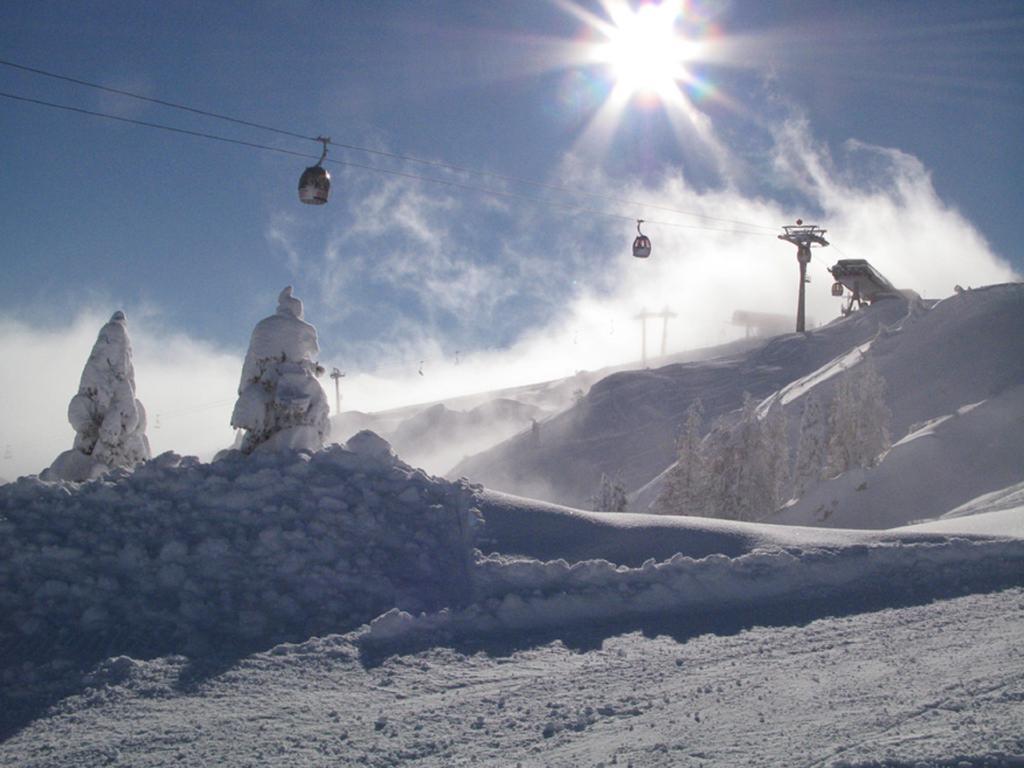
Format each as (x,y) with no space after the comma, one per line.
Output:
(803,236)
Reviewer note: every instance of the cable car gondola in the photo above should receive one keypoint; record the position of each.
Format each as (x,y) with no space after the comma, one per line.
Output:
(315,182)
(642,243)
(837,288)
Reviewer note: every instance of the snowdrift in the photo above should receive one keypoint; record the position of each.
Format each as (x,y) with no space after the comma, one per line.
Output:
(181,556)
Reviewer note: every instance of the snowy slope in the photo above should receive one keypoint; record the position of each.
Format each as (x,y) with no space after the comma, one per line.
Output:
(437,435)
(215,561)
(955,385)
(999,513)
(627,425)
(937,467)
(899,687)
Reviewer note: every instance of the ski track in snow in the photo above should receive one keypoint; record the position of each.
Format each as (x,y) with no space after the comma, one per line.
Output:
(940,684)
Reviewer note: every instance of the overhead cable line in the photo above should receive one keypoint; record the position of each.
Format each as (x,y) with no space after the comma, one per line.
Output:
(372,168)
(381,153)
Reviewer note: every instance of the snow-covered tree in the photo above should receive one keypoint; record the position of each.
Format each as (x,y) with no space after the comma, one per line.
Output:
(109,422)
(775,436)
(280,402)
(858,420)
(682,492)
(746,464)
(610,496)
(812,446)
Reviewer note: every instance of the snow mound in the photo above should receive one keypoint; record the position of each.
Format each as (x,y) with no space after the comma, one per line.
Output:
(520,595)
(180,555)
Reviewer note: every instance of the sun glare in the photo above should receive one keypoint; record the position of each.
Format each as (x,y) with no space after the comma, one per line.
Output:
(644,51)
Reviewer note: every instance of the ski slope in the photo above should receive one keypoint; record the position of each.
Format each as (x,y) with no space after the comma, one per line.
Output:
(153,616)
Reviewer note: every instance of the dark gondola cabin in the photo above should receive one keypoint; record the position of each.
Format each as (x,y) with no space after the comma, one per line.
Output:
(837,289)
(315,181)
(642,243)
(314,185)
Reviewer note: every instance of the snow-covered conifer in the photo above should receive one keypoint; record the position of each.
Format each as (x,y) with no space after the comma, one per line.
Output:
(776,454)
(746,465)
(610,496)
(858,420)
(875,416)
(683,492)
(280,402)
(812,446)
(109,422)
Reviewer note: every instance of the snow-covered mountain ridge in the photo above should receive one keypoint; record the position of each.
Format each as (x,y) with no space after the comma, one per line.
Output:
(936,360)
(628,423)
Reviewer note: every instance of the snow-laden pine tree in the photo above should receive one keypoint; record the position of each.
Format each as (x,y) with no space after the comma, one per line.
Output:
(682,492)
(109,422)
(610,496)
(812,446)
(858,420)
(280,402)
(775,435)
(746,464)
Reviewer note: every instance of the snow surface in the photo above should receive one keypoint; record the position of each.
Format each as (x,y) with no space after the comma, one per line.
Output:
(195,566)
(946,463)
(932,685)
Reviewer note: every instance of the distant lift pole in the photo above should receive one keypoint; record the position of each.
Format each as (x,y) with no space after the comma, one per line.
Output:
(337,376)
(644,315)
(803,236)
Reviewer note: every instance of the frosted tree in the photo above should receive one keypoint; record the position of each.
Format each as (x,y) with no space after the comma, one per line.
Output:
(747,464)
(610,496)
(109,422)
(812,446)
(875,416)
(683,492)
(858,420)
(775,438)
(280,402)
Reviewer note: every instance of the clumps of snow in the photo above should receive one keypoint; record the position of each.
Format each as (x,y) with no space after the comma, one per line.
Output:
(109,422)
(256,549)
(521,595)
(280,403)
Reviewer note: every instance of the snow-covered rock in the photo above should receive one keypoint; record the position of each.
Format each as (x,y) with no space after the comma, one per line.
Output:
(109,422)
(280,403)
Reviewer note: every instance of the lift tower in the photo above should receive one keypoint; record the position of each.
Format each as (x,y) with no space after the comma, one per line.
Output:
(803,236)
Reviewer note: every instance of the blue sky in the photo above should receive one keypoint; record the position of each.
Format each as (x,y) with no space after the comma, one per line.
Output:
(895,125)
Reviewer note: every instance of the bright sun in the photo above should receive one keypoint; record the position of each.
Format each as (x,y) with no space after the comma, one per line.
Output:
(644,51)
